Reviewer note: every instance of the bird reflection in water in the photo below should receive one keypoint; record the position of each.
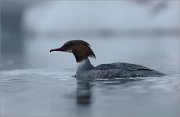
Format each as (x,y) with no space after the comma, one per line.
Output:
(84,87)
(84,93)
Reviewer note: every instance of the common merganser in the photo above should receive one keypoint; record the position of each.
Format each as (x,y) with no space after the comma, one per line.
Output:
(85,69)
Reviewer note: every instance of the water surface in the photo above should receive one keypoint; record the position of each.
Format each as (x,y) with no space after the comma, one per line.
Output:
(54,92)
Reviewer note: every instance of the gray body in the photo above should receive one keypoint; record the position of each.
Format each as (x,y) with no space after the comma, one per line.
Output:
(114,70)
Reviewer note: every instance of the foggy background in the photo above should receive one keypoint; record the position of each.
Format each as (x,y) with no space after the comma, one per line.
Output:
(137,31)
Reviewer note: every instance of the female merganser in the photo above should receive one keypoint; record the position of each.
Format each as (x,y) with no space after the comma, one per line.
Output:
(85,69)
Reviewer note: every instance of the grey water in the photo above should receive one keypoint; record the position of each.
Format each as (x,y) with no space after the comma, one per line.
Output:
(46,86)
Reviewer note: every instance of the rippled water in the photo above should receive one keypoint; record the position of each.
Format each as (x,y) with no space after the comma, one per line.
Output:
(51,92)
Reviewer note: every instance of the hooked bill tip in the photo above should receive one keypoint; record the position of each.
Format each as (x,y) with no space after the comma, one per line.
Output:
(58,49)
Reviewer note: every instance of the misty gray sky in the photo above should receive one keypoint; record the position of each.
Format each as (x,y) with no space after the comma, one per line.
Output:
(70,15)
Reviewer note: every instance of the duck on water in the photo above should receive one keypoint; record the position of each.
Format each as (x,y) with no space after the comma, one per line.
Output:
(82,51)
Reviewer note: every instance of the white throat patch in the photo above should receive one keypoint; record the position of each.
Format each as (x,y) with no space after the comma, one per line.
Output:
(84,65)
(81,64)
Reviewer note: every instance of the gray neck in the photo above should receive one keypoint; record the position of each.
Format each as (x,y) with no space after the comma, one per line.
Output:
(84,65)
